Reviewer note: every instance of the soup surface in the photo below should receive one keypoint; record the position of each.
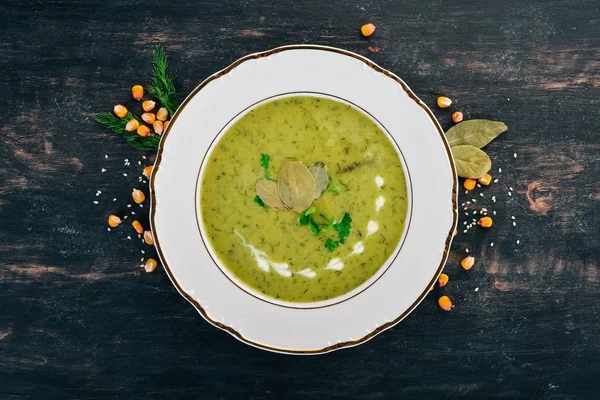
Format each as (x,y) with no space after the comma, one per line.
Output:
(272,250)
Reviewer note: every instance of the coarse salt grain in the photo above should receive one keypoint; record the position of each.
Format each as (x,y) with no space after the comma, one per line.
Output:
(128,205)
(512,217)
(115,199)
(464,223)
(481,194)
(106,156)
(477,289)
(465,231)
(139,163)
(509,193)
(474,212)
(478,185)
(108,229)
(144,181)
(499,169)
(518,241)
(144,157)
(129,237)
(474,201)
(143,252)
(515,155)
(466,192)
(511,189)
(103,170)
(468,202)
(496,180)
(466,250)
(133,213)
(124,174)
(514,223)
(141,205)
(492,244)
(95,201)
(125,217)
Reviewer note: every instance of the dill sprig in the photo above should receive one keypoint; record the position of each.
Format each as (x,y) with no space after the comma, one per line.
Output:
(163,87)
(117,125)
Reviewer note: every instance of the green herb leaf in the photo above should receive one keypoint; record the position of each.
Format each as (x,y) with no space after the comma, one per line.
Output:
(331,245)
(314,227)
(319,172)
(163,82)
(329,225)
(117,125)
(304,217)
(258,201)
(267,191)
(474,132)
(333,188)
(470,161)
(344,227)
(296,186)
(264,161)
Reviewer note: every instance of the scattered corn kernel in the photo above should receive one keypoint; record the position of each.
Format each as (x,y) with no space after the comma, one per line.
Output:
(444,102)
(150,265)
(158,127)
(485,222)
(137,226)
(166,124)
(457,117)
(367,29)
(132,125)
(467,262)
(138,92)
(147,171)
(485,180)
(138,196)
(162,114)
(148,105)
(120,110)
(442,280)
(148,238)
(148,118)
(143,131)
(469,184)
(445,303)
(113,221)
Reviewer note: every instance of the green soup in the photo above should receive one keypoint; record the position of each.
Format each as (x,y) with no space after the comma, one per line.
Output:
(271,250)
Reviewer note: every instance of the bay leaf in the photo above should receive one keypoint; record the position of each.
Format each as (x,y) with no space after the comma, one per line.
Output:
(267,191)
(474,132)
(319,172)
(470,161)
(296,186)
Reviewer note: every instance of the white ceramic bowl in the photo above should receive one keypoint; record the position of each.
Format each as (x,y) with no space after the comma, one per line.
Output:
(388,296)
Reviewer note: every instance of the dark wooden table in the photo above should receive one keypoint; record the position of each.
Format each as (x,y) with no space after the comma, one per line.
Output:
(78,318)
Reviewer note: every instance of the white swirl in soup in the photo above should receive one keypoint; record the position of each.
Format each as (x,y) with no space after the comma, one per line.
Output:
(303,199)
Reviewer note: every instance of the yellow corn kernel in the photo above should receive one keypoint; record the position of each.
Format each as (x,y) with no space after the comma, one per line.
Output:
(150,265)
(113,221)
(469,184)
(444,102)
(148,118)
(138,92)
(137,226)
(148,105)
(442,280)
(367,29)
(147,171)
(143,131)
(120,110)
(445,303)
(485,180)
(467,262)
(132,125)
(162,114)
(166,123)
(485,222)
(148,238)
(138,196)
(457,117)
(158,127)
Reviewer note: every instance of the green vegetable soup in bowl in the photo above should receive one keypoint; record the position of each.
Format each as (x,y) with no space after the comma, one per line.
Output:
(303,198)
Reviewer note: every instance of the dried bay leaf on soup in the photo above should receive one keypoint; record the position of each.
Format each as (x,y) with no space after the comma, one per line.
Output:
(267,191)
(474,132)
(319,172)
(296,186)
(470,161)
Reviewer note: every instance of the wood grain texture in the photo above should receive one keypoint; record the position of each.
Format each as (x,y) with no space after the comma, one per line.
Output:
(80,320)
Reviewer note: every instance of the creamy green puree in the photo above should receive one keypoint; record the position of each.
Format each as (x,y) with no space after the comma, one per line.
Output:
(268,250)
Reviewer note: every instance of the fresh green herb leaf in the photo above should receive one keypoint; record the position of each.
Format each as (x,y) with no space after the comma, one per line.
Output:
(268,175)
(163,86)
(331,245)
(314,227)
(258,201)
(329,225)
(304,217)
(117,125)
(264,161)
(344,227)
(333,188)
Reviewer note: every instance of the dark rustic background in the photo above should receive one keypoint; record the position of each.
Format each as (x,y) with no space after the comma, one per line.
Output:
(78,319)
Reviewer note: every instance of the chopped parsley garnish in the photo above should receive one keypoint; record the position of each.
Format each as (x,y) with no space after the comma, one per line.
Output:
(258,201)
(314,227)
(343,227)
(333,188)
(304,218)
(331,245)
(264,161)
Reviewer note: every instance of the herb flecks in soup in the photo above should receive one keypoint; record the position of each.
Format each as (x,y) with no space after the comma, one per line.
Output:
(303,246)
